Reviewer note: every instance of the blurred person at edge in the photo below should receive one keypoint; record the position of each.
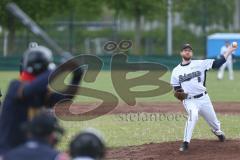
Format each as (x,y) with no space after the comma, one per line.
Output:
(44,132)
(228,63)
(30,94)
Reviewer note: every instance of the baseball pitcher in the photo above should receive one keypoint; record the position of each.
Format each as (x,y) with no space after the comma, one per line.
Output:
(189,83)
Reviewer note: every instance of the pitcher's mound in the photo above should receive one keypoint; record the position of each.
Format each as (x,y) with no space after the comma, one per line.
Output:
(198,150)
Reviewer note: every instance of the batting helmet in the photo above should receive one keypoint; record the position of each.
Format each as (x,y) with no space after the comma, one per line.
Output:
(37,59)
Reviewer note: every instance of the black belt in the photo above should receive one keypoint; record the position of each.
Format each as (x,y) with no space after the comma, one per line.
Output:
(198,96)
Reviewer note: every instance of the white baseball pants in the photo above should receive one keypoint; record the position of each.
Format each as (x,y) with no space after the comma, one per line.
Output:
(204,107)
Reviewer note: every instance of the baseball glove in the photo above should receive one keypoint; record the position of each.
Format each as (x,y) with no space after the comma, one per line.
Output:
(179,94)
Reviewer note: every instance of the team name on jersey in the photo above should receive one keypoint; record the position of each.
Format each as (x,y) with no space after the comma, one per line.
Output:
(188,77)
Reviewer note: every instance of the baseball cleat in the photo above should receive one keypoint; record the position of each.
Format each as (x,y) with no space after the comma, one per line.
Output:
(220,135)
(184,147)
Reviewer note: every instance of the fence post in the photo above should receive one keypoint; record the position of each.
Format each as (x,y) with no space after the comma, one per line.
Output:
(169,27)
(5,43)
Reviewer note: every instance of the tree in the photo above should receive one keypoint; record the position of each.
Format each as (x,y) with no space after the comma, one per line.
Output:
(205,13)
(135,9)
(213,12)
(36,9)
(78,10)
(81,10)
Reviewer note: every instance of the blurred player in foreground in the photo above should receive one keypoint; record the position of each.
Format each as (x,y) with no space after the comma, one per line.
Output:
(189,83)
(28,94)
(87,145)
(0,99)
(228,63)
(44,133)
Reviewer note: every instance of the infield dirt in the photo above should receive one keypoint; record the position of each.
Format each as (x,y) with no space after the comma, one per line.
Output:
(199,149)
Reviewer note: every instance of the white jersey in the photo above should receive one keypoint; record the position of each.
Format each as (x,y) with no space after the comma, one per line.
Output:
(191,77)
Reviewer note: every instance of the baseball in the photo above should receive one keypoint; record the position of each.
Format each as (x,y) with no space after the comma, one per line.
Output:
(234,44)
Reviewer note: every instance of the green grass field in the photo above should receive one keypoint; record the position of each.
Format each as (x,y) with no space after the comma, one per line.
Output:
(118,132)
(220,91)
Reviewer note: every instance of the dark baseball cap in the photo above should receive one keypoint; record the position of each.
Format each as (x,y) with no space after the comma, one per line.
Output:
(43,124)
(87,144)
(186,45)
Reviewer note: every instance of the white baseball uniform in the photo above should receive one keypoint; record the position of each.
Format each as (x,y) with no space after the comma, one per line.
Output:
(228,64)
(191,78)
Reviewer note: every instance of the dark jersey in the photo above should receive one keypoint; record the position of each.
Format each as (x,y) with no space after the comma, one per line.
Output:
(15,109)
(32,150)
(0,100)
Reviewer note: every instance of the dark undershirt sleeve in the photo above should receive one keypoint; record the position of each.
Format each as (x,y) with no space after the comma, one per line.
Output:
(176,87)
(219,62)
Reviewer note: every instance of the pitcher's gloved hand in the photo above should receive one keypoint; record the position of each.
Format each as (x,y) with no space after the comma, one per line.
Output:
(179,94)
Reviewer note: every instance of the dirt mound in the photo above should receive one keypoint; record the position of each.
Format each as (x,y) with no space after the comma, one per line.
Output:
(198,150)
(154,107)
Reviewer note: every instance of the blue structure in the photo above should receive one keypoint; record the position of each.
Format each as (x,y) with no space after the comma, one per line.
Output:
(217,40)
